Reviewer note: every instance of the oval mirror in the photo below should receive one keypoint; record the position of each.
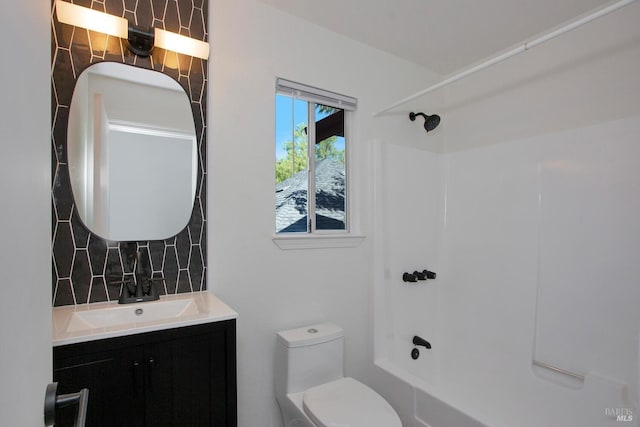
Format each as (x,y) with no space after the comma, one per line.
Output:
(132,153)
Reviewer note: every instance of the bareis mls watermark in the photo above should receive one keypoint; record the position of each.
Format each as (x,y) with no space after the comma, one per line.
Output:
(619,414)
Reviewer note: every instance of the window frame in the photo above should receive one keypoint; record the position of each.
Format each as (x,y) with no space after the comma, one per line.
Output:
(313,237)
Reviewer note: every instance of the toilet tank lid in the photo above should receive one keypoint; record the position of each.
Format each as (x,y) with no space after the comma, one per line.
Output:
(309,335)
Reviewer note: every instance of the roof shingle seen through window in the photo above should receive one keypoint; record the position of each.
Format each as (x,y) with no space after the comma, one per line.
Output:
(291,199)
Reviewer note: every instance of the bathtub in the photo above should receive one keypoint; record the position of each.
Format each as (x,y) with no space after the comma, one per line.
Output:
(599,402)
(416,401)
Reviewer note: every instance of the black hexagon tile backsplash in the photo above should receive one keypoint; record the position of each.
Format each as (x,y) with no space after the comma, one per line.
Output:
(85,266)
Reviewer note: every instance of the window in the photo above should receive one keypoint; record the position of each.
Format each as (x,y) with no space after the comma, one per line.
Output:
(311,146)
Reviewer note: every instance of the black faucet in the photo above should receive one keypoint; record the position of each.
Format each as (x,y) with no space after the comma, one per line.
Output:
(141,289)
(421,341)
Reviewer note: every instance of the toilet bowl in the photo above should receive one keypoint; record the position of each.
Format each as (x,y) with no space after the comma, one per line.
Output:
(311,388)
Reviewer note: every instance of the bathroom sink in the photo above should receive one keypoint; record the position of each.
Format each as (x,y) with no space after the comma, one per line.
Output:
(131,314)
(87,322)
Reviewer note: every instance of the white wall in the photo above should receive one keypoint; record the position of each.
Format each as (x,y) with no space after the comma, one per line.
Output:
(583,77)
(25,217)
(272,289)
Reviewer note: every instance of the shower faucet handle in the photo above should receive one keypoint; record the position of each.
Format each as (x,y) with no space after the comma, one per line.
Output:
(420,275)
(429,274)
(408,277)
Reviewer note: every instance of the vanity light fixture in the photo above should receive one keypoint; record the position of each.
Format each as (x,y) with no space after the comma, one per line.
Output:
(140,41)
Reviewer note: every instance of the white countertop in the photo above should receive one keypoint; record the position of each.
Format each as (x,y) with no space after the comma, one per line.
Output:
(206,308)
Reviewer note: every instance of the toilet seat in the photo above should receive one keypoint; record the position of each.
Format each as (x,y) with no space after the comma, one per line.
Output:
(348,403)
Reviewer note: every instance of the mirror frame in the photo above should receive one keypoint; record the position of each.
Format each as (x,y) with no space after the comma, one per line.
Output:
(83,264)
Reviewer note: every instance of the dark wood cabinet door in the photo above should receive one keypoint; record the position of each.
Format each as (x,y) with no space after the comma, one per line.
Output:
(115,383)
(179,388)
(188,381)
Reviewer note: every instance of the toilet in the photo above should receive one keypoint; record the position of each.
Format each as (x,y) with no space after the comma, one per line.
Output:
(311,388)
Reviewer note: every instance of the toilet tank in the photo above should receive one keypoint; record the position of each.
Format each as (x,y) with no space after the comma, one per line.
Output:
(308,356)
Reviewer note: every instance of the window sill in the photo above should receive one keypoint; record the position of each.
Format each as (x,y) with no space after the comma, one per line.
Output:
(290,241)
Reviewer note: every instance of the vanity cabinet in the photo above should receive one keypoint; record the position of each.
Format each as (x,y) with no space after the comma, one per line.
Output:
(175,377)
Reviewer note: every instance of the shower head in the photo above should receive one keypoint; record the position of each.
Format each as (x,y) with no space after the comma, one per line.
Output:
(430,122)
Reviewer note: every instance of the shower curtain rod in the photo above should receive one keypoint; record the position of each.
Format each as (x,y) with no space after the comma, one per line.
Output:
(513,52)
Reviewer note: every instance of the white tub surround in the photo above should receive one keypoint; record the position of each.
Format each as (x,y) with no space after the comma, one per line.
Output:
(79,323)
(532,227)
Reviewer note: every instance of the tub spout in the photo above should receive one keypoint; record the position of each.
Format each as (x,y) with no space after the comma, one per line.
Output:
(421,341)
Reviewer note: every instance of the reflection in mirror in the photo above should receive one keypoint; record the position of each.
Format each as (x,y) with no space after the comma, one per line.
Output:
(132,153)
